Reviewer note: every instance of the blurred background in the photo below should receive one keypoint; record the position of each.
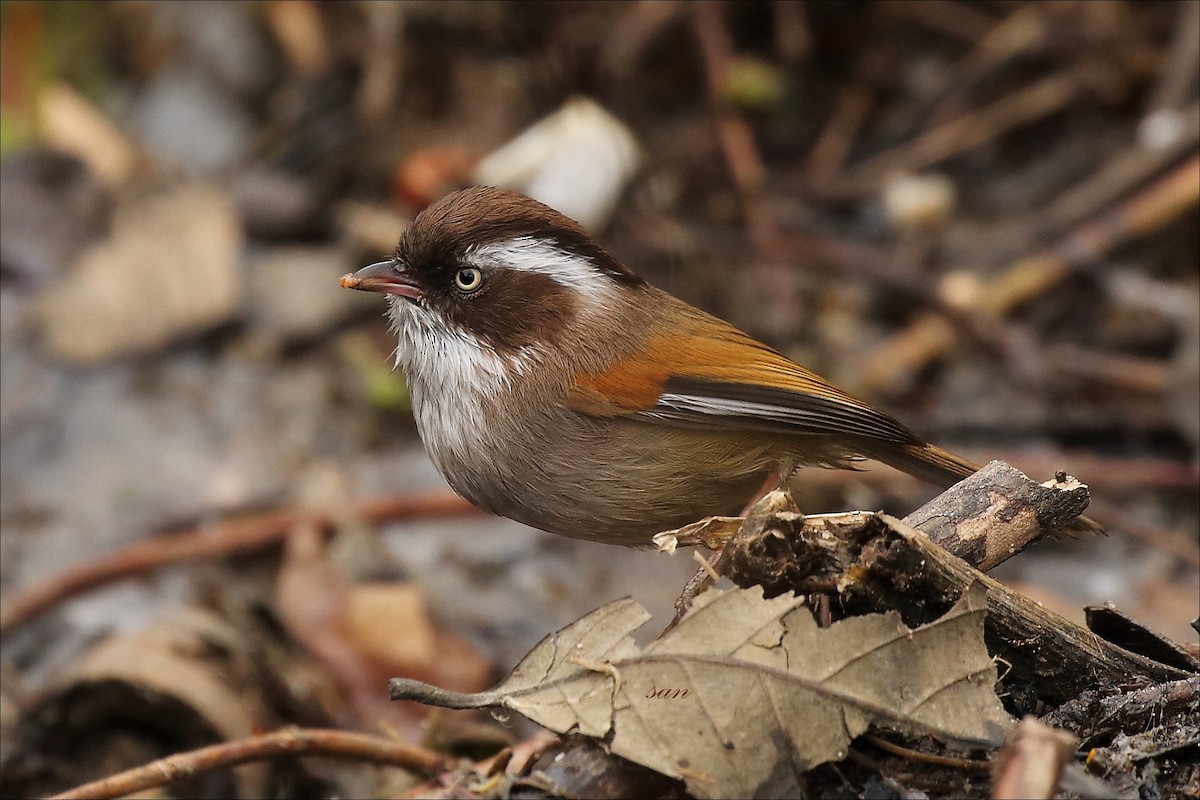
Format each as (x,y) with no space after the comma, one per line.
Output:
(978,216)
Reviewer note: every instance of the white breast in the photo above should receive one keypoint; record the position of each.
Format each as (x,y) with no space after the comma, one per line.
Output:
(453,379)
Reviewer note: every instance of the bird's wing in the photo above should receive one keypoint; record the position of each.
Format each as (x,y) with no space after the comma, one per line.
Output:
(706,373)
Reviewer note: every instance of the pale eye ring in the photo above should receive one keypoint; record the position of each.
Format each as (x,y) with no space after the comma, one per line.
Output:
(468,279)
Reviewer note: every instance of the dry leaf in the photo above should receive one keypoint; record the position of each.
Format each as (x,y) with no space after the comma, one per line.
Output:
(170,269)
(71,124)
(745,693)
(390,623)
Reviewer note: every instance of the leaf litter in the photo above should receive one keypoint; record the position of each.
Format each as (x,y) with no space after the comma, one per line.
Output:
(747,688)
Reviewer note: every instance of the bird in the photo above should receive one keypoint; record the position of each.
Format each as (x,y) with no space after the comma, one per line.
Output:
(552,385)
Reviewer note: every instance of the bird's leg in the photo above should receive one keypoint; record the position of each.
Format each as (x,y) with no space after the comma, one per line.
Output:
(774,478)
(705,576)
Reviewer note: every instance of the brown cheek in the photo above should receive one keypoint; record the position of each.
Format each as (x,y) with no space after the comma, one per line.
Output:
(516,309)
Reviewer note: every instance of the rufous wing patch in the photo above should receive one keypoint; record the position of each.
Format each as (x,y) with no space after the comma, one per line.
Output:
(701,347)
(631,385)
(711,360)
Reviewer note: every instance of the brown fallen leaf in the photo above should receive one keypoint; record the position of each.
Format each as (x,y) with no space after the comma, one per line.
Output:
(389,623)
(360,633)
(71,124)
(315,600)
(745,693)
(172,268)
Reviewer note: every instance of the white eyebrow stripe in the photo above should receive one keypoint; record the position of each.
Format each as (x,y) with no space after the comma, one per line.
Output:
(529,254)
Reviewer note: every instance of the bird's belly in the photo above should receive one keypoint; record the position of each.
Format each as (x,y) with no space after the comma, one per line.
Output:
(611,480)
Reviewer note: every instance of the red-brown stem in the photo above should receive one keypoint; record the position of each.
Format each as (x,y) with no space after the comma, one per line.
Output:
(285,743)
(231,538)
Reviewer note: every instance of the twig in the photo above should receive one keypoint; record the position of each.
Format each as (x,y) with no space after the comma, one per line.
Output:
(931,335)
(960,135)
(231,538)
(829,153)
(380,82)
(1178,73)
(793,39)
(736,138)
(864,261)
(970,764)
(1021,31)
(314,602)
(301,35)
(964,21)
(733,131)
(286,743)
(996,513)
(1120,174)
(1123,372)
(628,39)
(1111,623)
(1111,475)
(1032,760)
(892,274)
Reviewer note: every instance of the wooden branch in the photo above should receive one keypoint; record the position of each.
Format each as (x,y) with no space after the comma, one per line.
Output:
(1096,717)
(984,520)
(1181,734)
(877,563)
(997,512)
(1110,623)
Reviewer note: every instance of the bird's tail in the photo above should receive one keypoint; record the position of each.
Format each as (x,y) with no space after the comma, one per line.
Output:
(944,469)
(928,462)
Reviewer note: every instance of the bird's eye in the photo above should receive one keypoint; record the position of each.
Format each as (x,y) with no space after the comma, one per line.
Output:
(468,279)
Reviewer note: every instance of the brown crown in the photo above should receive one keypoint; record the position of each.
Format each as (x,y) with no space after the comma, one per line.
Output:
(484,214)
